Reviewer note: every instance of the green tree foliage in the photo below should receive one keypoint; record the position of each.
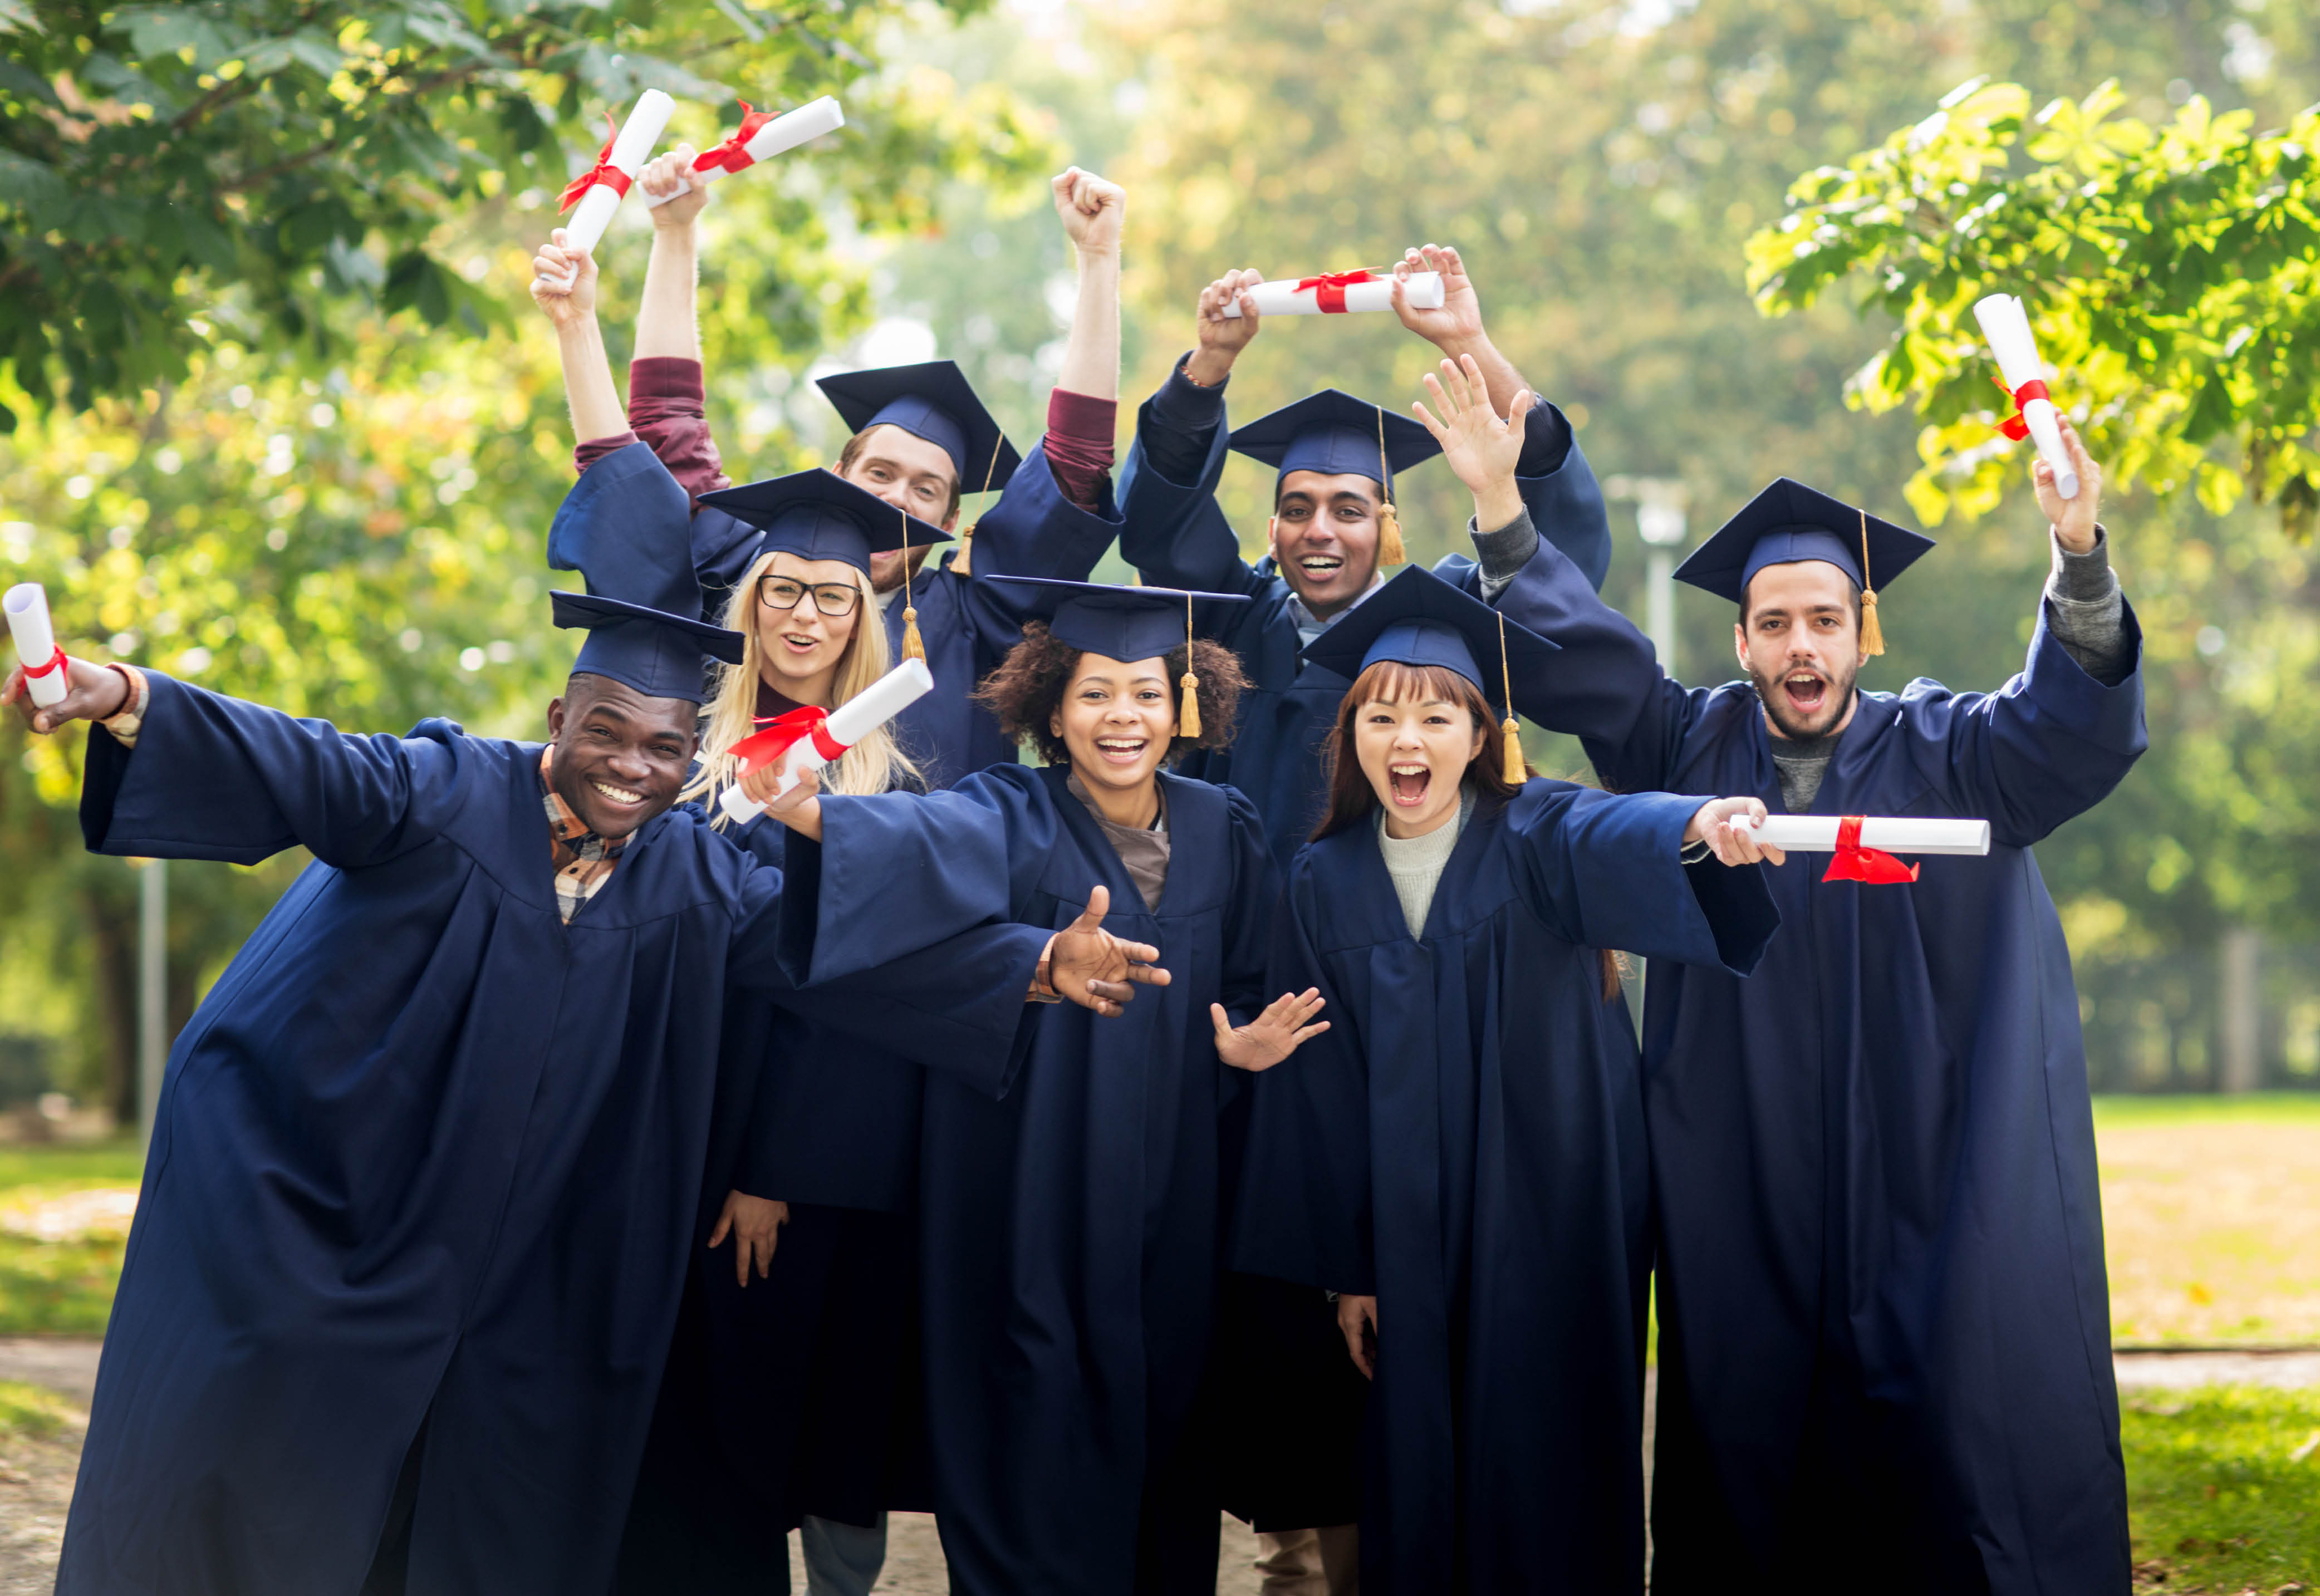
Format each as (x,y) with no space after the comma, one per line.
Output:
(174,175)
(2171,272)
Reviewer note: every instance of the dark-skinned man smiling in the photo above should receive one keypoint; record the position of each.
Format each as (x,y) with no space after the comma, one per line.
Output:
(424,1173)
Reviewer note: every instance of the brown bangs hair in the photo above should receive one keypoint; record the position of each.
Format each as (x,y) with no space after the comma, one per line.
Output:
(1351,799)
(853,452)
(1025,689)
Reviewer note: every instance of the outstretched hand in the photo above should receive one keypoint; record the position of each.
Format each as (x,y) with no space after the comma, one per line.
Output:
(1727,826)
(92,692)
(1095,969)
(1273,1035)
(564,282)
(1481,445)
(1357,1322)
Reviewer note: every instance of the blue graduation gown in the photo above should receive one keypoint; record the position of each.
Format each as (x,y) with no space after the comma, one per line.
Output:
(1883,1316)
(1071,1224)
(424,1154)
(1465,1143)
(1175,536)
(967,626)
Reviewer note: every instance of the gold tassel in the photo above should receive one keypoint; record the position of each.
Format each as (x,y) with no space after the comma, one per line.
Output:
(1516,774)
(1390,550)
(1872,636)
(964,565)
(912,647)
(1188,706)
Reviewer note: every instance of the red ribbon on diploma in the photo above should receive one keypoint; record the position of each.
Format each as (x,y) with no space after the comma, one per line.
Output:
(2014,426)
(603,172)
(1855,863)
(733,154)
(1329,288)
(763,748)
(55,662)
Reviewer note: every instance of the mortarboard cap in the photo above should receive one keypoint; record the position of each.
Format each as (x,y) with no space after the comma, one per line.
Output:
(1418,619)
(818,514)
(933,401)
(1789,522)
(626,528)
(1122,623)
(1336,434)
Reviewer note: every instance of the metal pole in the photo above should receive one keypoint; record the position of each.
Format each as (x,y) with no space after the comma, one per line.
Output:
(1662,608)
(153,991)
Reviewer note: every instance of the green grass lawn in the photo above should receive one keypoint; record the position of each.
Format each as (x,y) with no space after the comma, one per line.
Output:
(32,1410)
(61,1287)
(2225,1488)
(2270,1107)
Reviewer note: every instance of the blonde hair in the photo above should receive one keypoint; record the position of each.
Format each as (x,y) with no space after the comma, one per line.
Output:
(874,765)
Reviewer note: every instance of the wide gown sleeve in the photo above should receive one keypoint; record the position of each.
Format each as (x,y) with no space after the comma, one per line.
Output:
(898,873)
(1173,532)
(2049,745)
(1606,871)
(1303,1210)
(216,778)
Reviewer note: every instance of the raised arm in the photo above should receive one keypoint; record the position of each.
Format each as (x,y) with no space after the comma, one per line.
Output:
(1093,213)
(2054,740)
(668,323)
(588,387)
(188,774)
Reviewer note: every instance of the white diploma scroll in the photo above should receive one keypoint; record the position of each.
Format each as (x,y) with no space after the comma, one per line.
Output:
(1816,834)
(849,724)
(782,135)
(2007,325)
(27,604)
(1333,295)
(631,147)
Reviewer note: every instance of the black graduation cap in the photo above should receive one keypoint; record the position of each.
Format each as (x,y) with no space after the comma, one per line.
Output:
(933,401)
(818,514)
(1122,623)
(1336,434)
(1789,522)
(1418,619)
(627,529)
(1117,622)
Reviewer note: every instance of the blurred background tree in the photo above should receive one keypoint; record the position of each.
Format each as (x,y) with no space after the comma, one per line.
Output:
(1602,165)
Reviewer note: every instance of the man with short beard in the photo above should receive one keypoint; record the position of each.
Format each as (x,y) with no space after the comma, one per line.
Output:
(1884,1352)
(425,1162)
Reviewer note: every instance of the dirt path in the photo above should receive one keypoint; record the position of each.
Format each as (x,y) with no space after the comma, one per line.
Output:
(36,1476)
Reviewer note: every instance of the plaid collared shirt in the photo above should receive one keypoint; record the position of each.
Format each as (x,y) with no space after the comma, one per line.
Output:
(584,860)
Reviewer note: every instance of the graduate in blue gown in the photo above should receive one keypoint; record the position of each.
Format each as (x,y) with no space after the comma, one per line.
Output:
(1462,1155)
(1333,527)
(425,1165)
(1883,1319)
(791,1394)
(1070,1226)
(921,440)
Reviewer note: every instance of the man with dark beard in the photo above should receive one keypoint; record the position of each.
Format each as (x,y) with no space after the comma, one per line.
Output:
(1883,1318)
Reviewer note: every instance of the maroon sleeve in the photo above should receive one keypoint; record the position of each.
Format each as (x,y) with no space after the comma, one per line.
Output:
(588,453)
(665,407)
(1078,444)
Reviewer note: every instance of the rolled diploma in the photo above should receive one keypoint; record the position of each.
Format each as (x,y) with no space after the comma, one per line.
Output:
(27,604)
(1284,299)
(1816,834)
(2007,325)
(784,133)
(631,148)
(849,724)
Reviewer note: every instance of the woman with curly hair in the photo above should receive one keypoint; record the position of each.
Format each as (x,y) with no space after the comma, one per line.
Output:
(1070,1224)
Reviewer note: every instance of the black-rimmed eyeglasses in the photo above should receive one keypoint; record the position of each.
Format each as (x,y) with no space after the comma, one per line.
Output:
(831,598)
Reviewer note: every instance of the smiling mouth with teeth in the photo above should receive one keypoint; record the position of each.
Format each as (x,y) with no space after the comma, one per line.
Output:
(1409,783)
(1120,747)
(1805,690)
(1321,562)
(617,795)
